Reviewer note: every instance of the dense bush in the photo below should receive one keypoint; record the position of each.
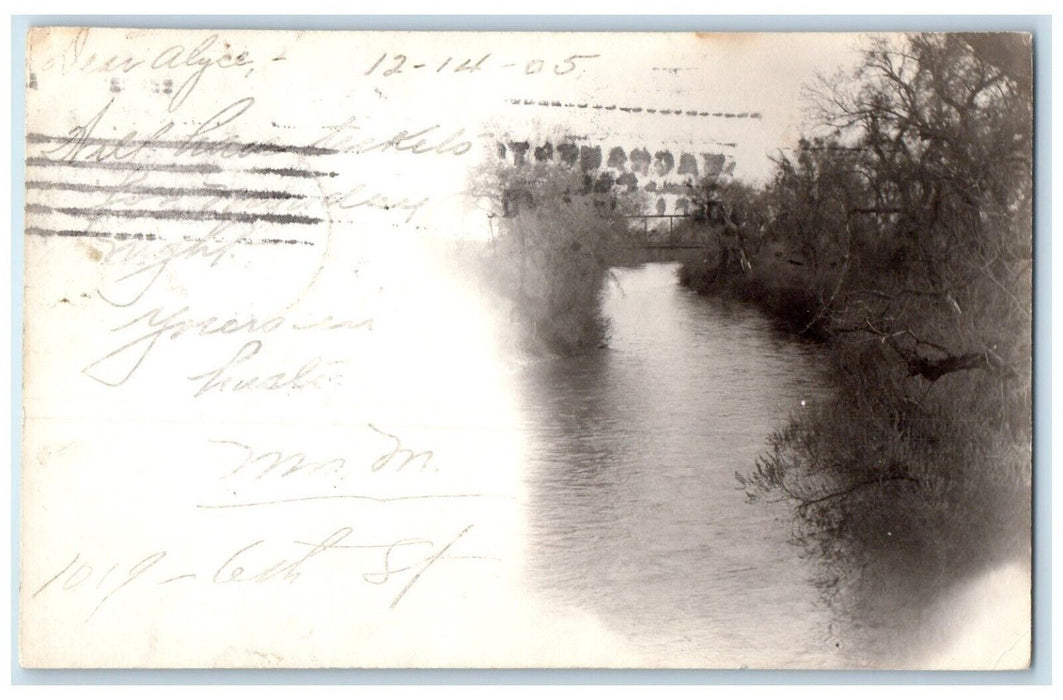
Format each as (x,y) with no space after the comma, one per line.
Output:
(553,244)
(905,238)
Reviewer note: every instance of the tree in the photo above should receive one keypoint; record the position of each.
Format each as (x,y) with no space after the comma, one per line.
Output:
(916,211)
(944,144)
(734,213)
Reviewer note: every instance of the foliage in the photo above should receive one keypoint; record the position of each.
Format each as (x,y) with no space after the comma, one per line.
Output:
(554,241)
(910,229)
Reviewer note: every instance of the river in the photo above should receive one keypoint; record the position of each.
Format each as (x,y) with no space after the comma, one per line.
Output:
(634,512)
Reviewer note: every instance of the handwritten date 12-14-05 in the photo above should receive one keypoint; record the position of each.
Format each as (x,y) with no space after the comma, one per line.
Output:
(389,64)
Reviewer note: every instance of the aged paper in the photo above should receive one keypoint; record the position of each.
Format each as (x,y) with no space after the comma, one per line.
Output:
(272,420)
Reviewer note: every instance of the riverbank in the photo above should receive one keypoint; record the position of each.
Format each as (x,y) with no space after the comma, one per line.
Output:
(891,242)
(776,283)
(904,488)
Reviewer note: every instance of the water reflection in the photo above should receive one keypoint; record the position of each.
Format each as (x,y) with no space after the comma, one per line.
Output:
(634,512)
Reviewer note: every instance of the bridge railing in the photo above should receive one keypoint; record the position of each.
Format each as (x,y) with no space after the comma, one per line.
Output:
(671,241)
(646,242)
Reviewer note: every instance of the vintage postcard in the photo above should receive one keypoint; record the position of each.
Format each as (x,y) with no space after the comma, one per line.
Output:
(510,350)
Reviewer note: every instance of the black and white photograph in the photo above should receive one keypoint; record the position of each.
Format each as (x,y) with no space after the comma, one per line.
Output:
(515,350)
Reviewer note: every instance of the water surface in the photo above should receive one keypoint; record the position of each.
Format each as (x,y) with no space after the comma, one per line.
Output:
(634,511)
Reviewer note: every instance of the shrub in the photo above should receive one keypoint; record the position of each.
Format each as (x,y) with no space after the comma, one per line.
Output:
(551,253)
